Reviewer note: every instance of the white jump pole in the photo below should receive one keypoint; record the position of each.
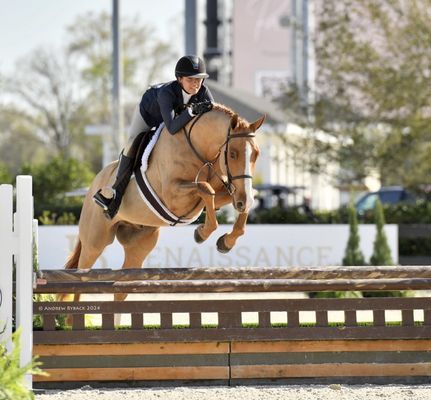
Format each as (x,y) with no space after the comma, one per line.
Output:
(7,249)
(17,241)
(24,269)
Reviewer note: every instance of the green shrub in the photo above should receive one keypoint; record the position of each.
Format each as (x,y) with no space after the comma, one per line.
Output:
(60,319)
(381,251)
(51,182)
(5,175)
(65,218)
(353,254)
(279,215)
(419,246)
(419,212)
(12,385)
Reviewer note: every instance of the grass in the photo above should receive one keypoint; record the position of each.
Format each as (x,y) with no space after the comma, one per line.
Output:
(244,325)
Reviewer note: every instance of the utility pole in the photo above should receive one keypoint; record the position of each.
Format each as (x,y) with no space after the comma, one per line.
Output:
(299,25)
(113,135)
(212,52)
(191,27)
(118,138)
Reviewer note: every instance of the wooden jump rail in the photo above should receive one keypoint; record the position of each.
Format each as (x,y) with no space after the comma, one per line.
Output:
(241,279)
(247,339)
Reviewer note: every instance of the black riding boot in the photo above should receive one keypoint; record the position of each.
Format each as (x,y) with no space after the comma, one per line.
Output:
(111,205)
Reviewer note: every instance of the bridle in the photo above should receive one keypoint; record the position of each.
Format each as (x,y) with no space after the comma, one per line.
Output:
(228,185)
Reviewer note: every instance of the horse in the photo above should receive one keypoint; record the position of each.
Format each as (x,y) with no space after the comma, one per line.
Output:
(206,165)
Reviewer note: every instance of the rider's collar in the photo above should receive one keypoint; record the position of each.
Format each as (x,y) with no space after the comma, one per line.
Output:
(186,96)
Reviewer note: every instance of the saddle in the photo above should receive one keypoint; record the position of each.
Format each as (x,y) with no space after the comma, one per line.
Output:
(141,142)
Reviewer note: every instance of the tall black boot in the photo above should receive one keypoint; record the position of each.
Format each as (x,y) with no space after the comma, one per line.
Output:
(111,205)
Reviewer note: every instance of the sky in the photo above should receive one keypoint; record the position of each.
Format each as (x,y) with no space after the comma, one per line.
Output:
(28,24)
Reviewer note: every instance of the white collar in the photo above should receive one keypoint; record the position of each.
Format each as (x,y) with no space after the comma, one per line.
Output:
(186,96)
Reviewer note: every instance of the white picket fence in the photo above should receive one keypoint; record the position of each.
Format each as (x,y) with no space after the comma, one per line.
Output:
(17,237)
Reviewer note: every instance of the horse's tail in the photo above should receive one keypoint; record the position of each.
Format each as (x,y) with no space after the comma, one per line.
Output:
(71,263)
(72,260)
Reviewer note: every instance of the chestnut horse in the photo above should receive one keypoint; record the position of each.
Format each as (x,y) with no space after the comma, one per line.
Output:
(207,165)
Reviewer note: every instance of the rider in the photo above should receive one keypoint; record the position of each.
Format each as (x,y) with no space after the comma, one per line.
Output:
(175,103)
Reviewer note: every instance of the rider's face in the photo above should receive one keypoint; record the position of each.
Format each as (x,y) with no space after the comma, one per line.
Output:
(190,85)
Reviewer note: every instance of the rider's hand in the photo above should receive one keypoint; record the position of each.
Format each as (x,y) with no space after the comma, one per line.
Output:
(201,108)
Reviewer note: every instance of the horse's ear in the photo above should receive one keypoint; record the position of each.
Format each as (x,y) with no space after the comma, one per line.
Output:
(234,121)
(257,124)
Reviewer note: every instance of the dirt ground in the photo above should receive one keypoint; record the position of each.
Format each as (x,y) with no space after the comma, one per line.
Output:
(309,392)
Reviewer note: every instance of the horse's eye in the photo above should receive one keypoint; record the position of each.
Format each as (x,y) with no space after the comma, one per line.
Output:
(233,155)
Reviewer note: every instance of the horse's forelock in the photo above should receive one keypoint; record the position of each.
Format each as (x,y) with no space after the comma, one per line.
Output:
(241,123)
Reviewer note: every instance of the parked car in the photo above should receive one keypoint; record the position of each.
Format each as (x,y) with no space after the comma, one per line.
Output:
(387,195)
(271,195)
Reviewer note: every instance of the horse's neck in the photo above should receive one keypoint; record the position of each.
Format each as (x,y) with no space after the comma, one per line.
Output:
(172,153)
(209,136)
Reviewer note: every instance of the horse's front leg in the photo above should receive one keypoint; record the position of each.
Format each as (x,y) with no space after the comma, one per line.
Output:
(207,194)
(228,240)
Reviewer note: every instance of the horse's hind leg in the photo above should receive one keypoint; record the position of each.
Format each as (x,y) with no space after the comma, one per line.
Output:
(137,242)
(94,236)
(92,246)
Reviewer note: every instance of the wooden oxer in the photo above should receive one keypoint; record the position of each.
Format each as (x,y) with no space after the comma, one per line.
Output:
(208,165)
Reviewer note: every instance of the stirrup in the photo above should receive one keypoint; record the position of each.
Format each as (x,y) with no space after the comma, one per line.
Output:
(103,201)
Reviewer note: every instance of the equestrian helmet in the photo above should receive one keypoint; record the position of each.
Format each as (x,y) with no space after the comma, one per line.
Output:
(191,66)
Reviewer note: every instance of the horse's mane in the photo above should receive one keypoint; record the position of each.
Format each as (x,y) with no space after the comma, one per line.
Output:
(241,124)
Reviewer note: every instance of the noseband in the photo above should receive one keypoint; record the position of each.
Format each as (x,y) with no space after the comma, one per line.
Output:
(231,178)
(228,185)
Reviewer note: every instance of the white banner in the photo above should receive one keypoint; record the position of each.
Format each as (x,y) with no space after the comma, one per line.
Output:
(261,246)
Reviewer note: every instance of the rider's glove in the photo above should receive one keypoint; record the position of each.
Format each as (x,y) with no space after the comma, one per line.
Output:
(201,108)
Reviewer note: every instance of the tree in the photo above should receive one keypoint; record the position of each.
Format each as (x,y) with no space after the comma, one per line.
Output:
(353,254)
(144,58)
(18,142)
(52,180)
(381,251)
(53,94)
(44,90)
(373,89)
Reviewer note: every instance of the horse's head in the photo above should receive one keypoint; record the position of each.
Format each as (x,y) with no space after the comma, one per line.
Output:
(224,136)
(241,152)
(239,158)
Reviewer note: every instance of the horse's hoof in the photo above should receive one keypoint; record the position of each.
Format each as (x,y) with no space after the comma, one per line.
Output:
(198,238)
(221,246)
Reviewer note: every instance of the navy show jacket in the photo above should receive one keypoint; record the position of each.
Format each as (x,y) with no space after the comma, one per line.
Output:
(165,103)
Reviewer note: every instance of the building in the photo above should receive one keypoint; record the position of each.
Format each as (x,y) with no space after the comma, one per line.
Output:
(254,50)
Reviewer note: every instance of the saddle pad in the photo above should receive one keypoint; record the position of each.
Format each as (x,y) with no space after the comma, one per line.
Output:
(149,148)
(148,194)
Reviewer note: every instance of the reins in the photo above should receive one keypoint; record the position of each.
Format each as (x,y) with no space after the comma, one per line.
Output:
(228,185)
